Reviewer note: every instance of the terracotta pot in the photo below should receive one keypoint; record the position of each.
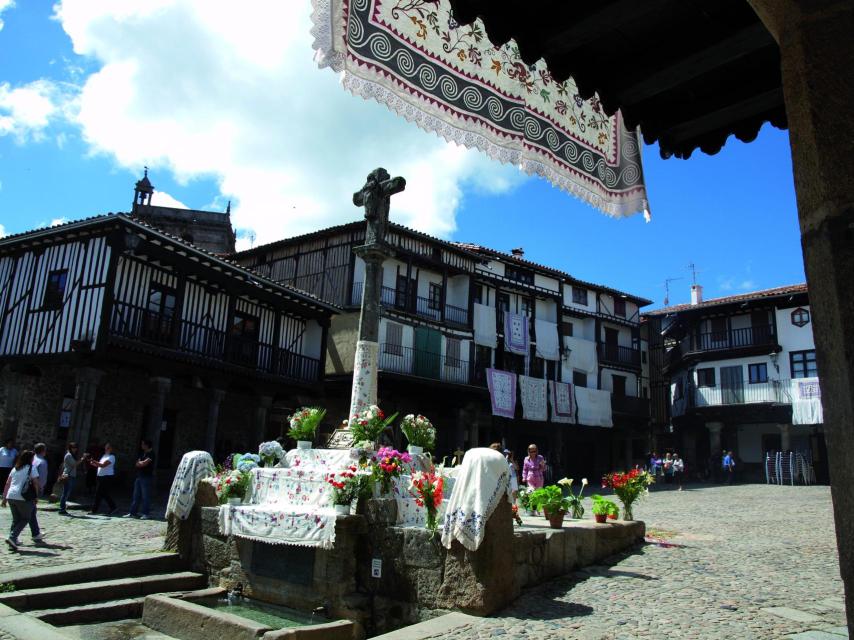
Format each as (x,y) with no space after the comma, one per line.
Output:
(601,518)
(612,516)
(556,519)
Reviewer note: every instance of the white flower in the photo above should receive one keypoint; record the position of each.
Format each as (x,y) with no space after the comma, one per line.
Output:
(565,482)
(584,482)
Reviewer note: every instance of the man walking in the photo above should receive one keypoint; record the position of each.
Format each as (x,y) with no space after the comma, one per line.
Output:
(8,453)
(728,467)
(40,466)
(142,484)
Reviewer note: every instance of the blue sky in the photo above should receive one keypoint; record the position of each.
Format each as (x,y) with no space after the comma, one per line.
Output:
(223,108)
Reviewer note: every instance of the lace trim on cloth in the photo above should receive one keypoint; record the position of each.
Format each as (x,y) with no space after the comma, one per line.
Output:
(364,392)
(193,468)
(448,79)
(275,525)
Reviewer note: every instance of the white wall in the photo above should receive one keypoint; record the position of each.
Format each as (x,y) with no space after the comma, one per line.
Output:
(425,277)
(792,338)
(359,270)
(624,337)
(608,382)
(591,298)
(458,292)
(547,310)
(546,283)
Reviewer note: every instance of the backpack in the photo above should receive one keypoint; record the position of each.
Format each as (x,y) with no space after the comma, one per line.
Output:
(29,491)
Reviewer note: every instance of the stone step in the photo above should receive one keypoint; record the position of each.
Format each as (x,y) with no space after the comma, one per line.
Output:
(90,613)
(125,567)
(63,596)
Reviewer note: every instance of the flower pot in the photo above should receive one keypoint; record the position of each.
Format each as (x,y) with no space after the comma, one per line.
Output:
(235,502)
(415,450)
(612,516)
(556,519)
(601,518)
(303,444)
(342,509)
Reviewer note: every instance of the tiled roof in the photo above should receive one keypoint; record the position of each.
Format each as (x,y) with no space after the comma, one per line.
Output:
(476,248)
(741,297)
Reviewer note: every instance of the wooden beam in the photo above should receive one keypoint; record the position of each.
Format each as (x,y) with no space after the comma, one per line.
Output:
(717,55)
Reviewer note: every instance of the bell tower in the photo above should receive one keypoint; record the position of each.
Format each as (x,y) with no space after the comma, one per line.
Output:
(142,192)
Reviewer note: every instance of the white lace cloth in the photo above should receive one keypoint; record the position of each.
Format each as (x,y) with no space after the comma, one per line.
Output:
(365,363)
(548,346)
(193,468)
(594,407)
(482,481)
(484,326)
(806,401)
(532,391)
(289,504)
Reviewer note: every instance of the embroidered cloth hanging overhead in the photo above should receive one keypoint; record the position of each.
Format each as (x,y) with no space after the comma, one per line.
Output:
(412,56)
(516,337)
(533,394)
(502,392)
(562,401)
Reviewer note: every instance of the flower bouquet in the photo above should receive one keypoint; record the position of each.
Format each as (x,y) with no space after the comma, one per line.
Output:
(388,463)
(362,452)
(271,453)
(370,423)
(574,500)
(629,487)
(232,484)
(245,462)
(427,487)
(419,432)
(525,499)
(346,486)
(304,423)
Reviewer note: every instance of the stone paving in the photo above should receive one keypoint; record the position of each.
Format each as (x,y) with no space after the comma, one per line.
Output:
(748,561)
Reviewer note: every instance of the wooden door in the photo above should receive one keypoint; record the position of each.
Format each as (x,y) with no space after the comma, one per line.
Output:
(428,350)
(732,385)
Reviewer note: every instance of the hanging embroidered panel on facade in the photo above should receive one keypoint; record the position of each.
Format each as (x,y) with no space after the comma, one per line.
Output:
(562,400)
(533,394)
(502,392)
(516,338)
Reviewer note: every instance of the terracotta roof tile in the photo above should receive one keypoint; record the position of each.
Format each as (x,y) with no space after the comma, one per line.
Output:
(741,297)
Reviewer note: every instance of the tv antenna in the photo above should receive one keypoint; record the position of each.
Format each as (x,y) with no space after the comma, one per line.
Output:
(667,290)
(693,269)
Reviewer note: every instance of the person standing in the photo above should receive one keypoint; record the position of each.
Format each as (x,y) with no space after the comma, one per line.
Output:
(40,465)
(142,483)
(68,475)
(728,467)
(534,468)
(667,465)
(8,453)
(19,492)
(106,476)
(678,469)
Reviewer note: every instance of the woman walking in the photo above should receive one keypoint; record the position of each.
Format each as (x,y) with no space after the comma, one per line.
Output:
(68,475)
(104,481)
(22,487)
(533,468)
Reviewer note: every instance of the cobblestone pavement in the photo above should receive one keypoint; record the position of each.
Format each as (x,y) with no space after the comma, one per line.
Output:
(735,551)
(78,537)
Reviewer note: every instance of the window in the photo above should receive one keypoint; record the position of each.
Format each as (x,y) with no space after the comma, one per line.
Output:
(525,306)
(514,362)
(393,339)
(620,307)
(757,372)
(243,339)
(434,300)
(800,317)
(579,296)
(482,362)
(566,328)
(706,377)
(520,275)
(452,353)
(55,289)
(477,294)
(537,367)
(618,384)
(643,357)
(718,325)
(803,364)
(551,370)
(161,309)
(677,390)
(579,378)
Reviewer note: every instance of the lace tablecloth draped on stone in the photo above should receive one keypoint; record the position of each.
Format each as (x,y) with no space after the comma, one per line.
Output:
(194,467)
(364,392)
(502,392)
(413,57)
(533,394)
(334,459)
(482,481)
(561,398)
(516,337)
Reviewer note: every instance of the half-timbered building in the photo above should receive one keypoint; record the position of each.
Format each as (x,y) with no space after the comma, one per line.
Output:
(111,329)
(436,347)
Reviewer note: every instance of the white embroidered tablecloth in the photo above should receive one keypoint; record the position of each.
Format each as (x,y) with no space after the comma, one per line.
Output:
(276,525)
(532,391)
(409,514)
(194,467)
(561,401)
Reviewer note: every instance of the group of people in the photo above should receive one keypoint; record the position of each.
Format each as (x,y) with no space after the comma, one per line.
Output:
(671,468)
(533,468)
(24,476)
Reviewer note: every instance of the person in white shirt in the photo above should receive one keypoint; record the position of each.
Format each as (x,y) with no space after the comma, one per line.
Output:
(678,469)
(40,466)
(8,453)
(106,476)
(14,495)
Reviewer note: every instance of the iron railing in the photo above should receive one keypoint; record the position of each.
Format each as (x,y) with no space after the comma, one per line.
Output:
(424,307)
(733,338)
(423,364)
(771,392)
(616,354)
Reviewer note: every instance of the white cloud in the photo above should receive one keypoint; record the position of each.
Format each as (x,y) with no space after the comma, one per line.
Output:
(747,285)
(2,231)
(27,110)
(4,5)
(210,89)
(163,199)
(57,221)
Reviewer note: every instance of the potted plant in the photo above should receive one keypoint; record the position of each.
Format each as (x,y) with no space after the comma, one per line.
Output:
(603,508)
(271,453)
(629,487)
(370,424)
(419,432)
(550,499)
(346,486)
(303,425)
(575,501)
(387,464)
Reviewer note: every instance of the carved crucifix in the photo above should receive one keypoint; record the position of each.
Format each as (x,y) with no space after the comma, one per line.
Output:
(375,197)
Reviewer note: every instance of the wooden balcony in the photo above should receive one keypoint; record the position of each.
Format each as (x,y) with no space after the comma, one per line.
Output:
(758,336)
(630,405)
(423,364)
(391,298)
(164,333)
(618,355)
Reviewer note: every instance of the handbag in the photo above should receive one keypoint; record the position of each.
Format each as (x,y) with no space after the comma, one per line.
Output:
(29,492)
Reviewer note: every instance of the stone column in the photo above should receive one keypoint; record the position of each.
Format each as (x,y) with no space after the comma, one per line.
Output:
(214,400)
(86,386)
(817,59)
(715,429)
(260,423)
(156,404)
(785,436)
(12,407)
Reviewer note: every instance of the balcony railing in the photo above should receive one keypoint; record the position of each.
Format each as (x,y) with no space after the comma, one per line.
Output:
(733,338)
(616,354)
(630,405)
(771,392)
(140,324)
(423,364)
(424,307)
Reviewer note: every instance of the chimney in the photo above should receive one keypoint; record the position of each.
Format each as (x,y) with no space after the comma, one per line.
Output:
(696,294)
(519,252)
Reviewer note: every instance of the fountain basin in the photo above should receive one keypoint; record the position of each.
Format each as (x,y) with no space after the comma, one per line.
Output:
(206,614)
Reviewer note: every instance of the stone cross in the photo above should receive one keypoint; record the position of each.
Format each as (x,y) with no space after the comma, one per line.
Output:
(375,196)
